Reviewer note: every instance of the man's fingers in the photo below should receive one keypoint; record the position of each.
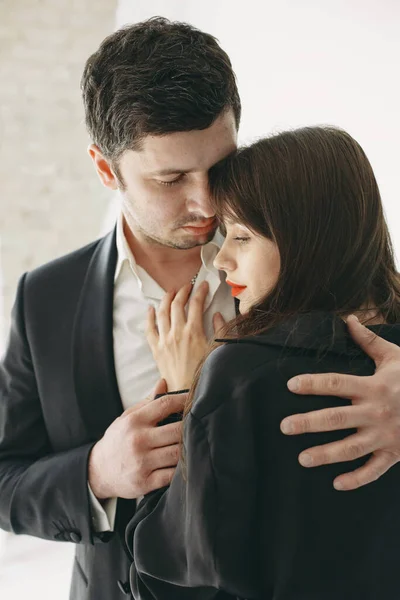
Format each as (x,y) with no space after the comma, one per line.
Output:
(159,478)
(165,435)
(160,458)
(160,388)
(350,448)
(329,384)
(376,466)
(158,410)
(327,419)
(376,347)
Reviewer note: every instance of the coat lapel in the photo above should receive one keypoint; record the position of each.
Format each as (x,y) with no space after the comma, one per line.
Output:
(92,346)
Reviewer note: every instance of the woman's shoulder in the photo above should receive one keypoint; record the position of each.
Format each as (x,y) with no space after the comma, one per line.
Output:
(229,372)
(238,358)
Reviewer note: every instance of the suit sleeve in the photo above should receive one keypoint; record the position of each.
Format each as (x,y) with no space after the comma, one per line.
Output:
(42,493)
(192,541)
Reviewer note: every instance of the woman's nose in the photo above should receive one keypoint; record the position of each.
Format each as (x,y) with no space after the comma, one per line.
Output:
(222,261)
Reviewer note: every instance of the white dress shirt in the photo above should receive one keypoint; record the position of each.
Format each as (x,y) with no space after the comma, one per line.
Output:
(136,370)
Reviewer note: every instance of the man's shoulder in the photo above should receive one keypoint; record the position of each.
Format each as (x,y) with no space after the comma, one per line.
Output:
(74,262)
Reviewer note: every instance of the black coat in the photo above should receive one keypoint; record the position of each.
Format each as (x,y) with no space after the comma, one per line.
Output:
(58,394)
(250,522)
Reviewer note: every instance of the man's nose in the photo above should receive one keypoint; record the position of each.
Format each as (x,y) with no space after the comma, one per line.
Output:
(200,201)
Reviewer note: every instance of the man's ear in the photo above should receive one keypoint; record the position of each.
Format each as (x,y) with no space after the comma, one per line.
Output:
(103,167)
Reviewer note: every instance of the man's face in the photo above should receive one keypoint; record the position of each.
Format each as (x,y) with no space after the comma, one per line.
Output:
(164,191)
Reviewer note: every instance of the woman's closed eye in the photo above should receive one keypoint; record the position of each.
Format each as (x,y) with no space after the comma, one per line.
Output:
(242,240)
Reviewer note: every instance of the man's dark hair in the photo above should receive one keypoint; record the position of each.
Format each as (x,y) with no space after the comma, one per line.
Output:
(155,77)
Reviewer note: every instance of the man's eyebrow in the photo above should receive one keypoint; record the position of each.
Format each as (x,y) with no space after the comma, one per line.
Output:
(171,171)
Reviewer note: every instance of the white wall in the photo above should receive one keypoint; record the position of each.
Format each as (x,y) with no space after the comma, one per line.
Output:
(303,62)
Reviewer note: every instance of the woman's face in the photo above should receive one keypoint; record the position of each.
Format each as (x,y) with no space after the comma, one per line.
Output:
(251,264)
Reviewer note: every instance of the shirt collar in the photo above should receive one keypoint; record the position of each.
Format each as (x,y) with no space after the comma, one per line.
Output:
(208,251)
(124,253)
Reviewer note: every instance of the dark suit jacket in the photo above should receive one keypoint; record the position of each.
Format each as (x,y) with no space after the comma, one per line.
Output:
(249,521)
(58,394)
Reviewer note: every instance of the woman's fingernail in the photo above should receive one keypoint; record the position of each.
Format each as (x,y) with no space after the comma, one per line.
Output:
(294,384)
(306,460)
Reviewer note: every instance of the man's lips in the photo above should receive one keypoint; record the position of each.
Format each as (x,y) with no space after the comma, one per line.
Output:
(201,228)
(236,289)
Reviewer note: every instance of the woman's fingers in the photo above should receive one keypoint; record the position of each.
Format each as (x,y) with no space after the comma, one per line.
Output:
(164,314)
(196,306)
(151,327)
(218,323)
(178,317)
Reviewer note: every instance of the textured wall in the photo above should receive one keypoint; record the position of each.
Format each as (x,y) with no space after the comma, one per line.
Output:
(50,198)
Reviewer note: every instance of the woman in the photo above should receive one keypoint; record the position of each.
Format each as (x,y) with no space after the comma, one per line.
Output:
(306,246)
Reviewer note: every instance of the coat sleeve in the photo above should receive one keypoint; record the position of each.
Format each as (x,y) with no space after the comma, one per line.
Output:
(42,493)
(194,540)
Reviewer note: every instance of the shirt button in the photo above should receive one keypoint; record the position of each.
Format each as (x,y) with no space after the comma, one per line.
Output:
(75,537)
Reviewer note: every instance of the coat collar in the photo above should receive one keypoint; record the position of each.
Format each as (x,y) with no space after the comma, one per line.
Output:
(321,331)
(92,346)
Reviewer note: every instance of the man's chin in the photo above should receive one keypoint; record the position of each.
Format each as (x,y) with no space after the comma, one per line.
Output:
(191,241)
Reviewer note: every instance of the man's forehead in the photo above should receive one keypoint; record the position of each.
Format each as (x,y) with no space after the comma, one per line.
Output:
(188,151)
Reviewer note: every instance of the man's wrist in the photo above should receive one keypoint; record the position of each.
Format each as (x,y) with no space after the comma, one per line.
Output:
(94,477)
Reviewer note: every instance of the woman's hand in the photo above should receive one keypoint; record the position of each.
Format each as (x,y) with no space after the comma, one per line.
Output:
(178,342)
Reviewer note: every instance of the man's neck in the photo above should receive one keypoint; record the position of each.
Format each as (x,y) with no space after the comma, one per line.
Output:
(171,268)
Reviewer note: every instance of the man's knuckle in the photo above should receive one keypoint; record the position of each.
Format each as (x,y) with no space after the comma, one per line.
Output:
(304,425)
(165,403)
(162,479)
(133,419)
(382,389)
(383,412)
(333,382)
(173,454)
(162,312)
(374,474)
(353,451)
(336,418)
(138,443)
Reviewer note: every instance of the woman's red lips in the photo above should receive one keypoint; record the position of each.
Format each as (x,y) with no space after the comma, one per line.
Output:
(236,289)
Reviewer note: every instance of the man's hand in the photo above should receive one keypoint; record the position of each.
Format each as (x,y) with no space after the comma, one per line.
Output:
(375,412)
(135,456)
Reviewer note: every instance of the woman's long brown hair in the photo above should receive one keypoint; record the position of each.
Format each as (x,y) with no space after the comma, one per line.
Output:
(312,191)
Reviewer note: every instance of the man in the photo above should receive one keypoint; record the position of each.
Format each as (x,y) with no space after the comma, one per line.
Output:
(78,444)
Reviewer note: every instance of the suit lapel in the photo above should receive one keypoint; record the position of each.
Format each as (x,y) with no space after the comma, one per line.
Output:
(92,346)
